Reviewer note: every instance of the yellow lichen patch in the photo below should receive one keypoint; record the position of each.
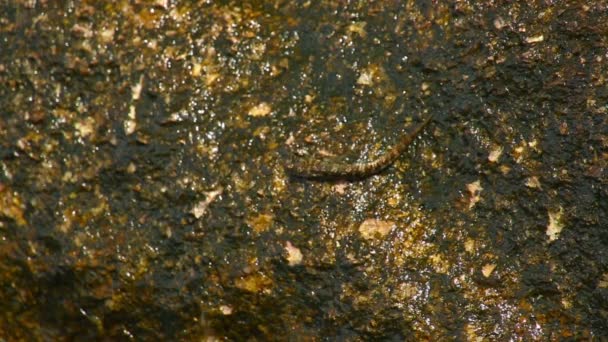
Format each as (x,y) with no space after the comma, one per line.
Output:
(566,303)
(210,76)
(469,245)
(439,263)
(225,310)
(487,269)
(106,35)
(555,224)
(394,200)
(370,75)
(262,132)
(131,168)
(201,207)
(255,282)
(196,69)
(519,152)
(279,181)
(499,23)
(309,98)
(358,28)
(372,228)
(63,114)
(474,190)
(535,39)
(340,187)
(67,220)
(294,255)
(11,205)
(495,154)
(85,127)
(410,241)
(257,50)
(261,109)
(261,222)
(533,182)
(136,89)
(603,283)
(130,124)
(406,291)
(471,331)
(365,78)
(209,150)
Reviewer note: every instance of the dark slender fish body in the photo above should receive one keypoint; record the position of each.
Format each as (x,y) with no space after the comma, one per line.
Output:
(330,169)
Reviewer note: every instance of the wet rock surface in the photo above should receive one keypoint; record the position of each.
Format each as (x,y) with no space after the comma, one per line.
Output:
(143,195)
